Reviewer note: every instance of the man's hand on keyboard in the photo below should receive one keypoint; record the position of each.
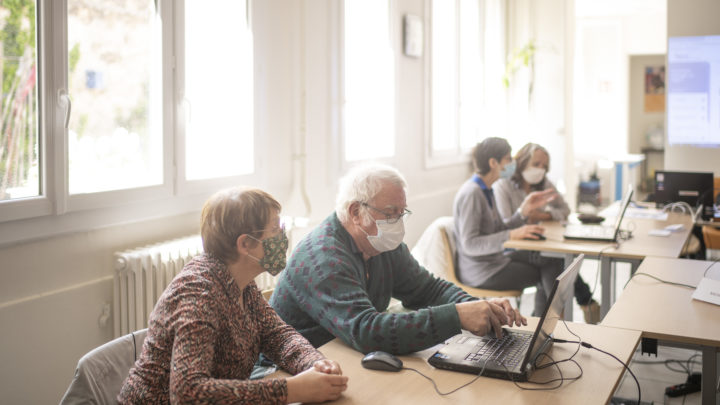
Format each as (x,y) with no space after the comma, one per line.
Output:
(512,313)
(482,317)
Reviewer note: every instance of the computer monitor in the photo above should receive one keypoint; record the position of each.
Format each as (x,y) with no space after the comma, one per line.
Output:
(693,188)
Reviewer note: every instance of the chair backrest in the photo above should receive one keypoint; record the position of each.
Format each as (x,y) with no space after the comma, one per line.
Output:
(436,251)
(100,373)
(711,237)
(267,293)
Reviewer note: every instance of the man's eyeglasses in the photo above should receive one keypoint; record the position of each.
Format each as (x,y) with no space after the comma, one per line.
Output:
(390,218)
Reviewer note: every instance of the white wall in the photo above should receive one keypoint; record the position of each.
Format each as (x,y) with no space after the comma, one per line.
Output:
(53,290)
(608,35)
(539,115)
(698,17)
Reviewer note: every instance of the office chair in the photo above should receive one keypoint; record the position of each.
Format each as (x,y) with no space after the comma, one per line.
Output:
(100,373)
(711,237)
(267,294)
(436,252)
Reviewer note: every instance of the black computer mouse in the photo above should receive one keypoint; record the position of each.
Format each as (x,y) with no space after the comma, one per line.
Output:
(539,236)
(382,361)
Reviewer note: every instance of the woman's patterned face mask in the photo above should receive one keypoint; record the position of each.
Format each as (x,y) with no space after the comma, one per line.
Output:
(275,250)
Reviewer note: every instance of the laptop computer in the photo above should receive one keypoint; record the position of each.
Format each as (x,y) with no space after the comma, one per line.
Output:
(601,233)
(513,356)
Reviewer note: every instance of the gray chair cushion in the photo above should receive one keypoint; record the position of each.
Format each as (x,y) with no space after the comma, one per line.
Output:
(100,374)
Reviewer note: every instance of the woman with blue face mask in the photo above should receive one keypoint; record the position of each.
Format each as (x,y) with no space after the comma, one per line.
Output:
(480,230)
(211,323)
(533,163)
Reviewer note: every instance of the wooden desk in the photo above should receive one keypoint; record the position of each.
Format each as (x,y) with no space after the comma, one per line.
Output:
(669,314)
(600,379)
(632,251)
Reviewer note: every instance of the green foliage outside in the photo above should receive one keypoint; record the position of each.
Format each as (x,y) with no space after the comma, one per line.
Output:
(14,38)
(522,57)
(18,117)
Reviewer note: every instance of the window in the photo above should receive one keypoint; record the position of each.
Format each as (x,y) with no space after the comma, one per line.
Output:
(218,135)
(369,81)
(19,148)
(116,112)
(114,83)
(467,61)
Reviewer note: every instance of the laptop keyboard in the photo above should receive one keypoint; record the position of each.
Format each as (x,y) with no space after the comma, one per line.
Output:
(508,350)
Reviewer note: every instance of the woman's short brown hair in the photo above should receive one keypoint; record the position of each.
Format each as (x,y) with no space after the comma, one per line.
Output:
(230,213)
(489,148)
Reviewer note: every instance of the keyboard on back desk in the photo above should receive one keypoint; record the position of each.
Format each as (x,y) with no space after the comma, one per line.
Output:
(507,350)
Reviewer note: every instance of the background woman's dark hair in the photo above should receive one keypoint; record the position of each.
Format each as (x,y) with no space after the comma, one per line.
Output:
(233,212)
(522,160)
(492,147)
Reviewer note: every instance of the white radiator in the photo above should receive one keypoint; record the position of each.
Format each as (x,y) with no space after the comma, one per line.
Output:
(142,274)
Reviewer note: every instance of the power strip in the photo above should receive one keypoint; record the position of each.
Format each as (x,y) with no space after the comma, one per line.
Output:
(691,385)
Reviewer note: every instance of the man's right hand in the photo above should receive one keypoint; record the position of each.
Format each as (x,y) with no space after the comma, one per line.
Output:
(527,232)
(482,317)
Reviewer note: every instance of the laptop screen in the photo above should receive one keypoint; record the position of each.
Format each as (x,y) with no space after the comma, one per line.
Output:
(561,293)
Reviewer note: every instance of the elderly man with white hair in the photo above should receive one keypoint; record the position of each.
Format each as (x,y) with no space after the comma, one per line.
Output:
(342,275)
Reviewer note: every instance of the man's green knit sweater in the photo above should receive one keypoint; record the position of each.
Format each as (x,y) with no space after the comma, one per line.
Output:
(327,290)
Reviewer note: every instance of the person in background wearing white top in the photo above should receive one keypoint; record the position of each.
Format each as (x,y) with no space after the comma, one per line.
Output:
(532,165)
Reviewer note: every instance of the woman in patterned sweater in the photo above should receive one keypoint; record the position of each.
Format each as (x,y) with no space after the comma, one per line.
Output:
(211,323)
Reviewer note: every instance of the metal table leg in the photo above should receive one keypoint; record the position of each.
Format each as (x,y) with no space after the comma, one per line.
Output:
(709,376)
(606,285)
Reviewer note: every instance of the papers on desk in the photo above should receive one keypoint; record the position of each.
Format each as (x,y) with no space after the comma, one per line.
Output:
(646,213)
(708,290)
(667,231)
(634,212)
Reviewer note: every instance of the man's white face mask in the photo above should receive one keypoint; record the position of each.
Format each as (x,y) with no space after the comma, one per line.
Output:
(389,236)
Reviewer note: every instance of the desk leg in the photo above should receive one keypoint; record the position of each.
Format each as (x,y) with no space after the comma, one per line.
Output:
(709,376)
(568,313)
(606,285)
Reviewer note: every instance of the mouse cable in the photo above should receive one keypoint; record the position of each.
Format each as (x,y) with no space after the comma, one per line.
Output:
(449,392)
(708,267)
(589,346)
(660,280)
(599,269)
(627,233)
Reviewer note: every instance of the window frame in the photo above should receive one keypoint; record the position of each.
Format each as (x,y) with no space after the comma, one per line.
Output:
(55,211)
(337,125)
(460,155)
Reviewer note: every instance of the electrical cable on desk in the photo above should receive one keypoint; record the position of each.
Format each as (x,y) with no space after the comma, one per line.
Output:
(449,392)
(660,280)
(708,267)
(538,367)
(684,207)
(589,346)
(550,364)
(599,269)
(625,234)
(685,365)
